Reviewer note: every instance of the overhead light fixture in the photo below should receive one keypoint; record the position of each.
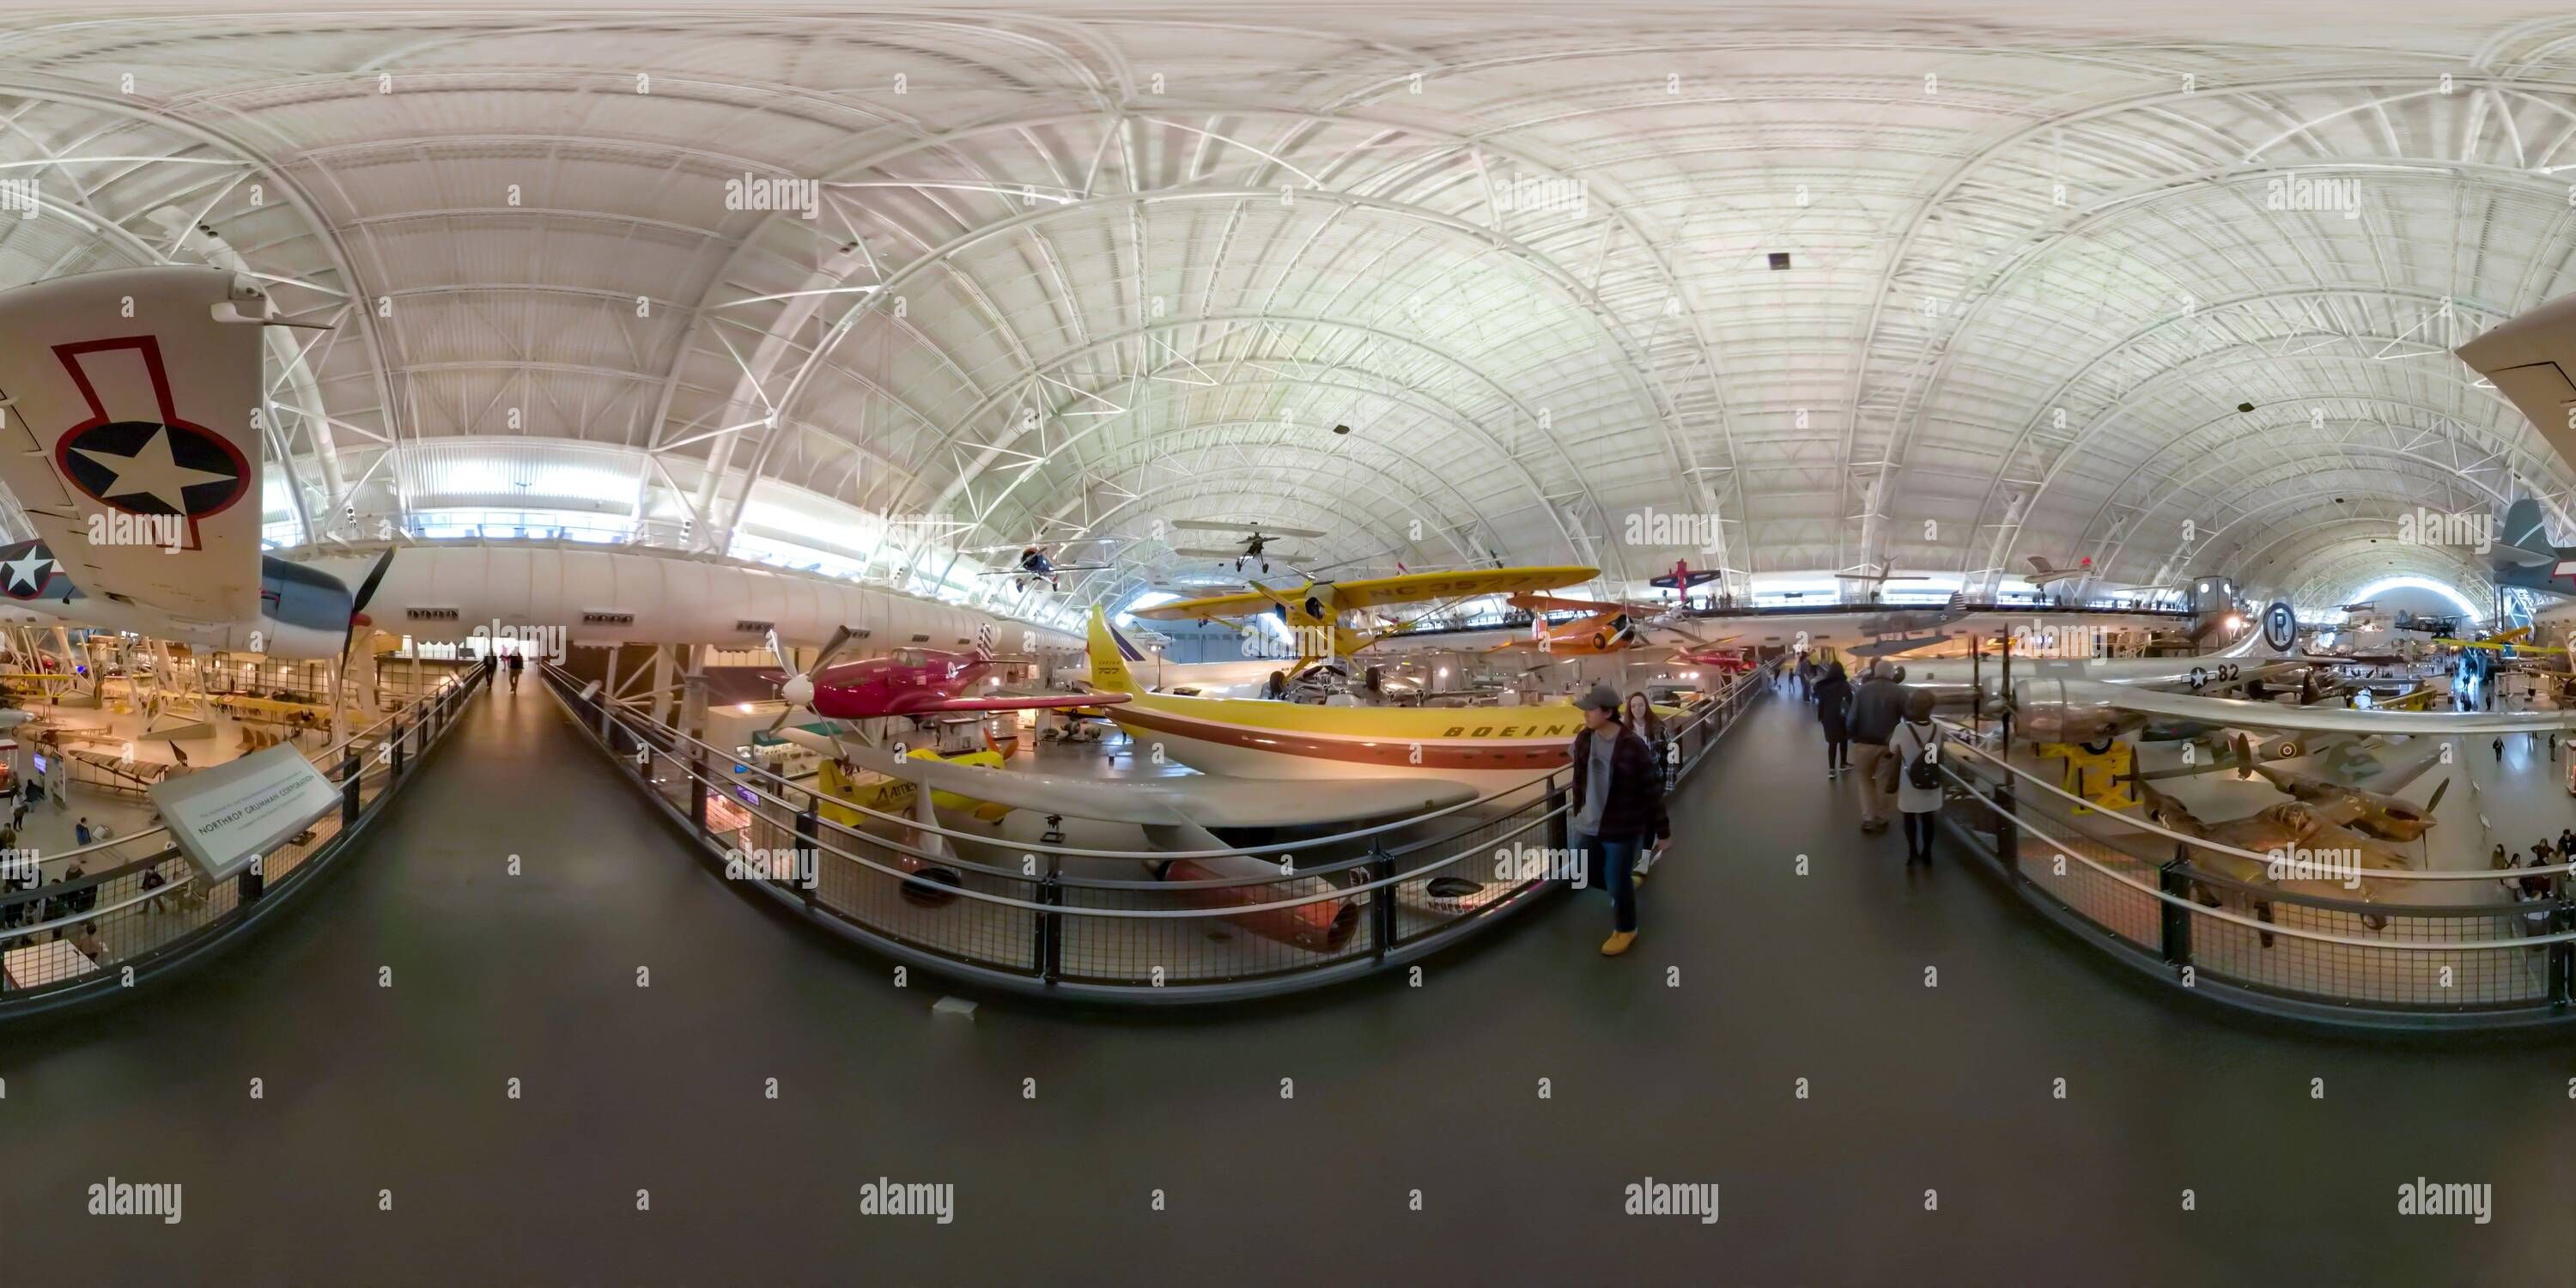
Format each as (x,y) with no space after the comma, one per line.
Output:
(1779,260)
(1341,429)
(2245,406)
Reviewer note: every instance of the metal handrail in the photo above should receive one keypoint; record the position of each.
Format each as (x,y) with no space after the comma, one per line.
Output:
(670,738)
(1337,892)
(2376,874)
(327,768)
(2269,927)
(353,811)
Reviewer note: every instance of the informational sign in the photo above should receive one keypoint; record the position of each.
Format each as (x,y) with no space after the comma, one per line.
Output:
(223,817)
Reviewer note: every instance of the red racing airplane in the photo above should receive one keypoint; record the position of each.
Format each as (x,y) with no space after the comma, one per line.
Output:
(911,682)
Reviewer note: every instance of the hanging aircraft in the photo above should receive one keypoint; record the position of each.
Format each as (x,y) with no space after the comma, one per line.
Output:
(1256,539)
(130,446)
(1605,628)
(1312,613)
(1903,623)
(1036,565)
(910,682)
(2508,643)
(1683,578)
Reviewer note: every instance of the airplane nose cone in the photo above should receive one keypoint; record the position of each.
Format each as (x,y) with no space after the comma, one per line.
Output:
(798,691)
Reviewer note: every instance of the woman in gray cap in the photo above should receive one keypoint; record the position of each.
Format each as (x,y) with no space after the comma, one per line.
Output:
(1618,808)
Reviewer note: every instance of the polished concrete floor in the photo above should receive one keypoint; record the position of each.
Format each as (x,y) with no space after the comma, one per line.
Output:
(1680,1062)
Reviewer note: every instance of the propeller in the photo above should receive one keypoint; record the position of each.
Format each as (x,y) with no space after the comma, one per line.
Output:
(2436,802)
(357,617)
(358,603)
(798,690)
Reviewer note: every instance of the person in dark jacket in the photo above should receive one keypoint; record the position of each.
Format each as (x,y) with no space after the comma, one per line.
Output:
(1639,715)
(1617,808)
(1833,710)
(1876,707)
(1806,677)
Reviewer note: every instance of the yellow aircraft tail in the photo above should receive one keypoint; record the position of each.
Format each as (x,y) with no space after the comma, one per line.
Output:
(1110,654)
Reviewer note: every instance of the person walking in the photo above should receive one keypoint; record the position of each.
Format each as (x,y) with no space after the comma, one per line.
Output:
(1833,711)
(1639,715)
(1916,749)
(518,664)
(1806,677)
(1617,810)
(2499,749)
(1876,708)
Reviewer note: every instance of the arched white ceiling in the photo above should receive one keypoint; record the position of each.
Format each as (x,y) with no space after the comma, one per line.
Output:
(1087,275)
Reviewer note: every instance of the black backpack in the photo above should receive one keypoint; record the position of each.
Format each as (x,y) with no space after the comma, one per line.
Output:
(1924,771)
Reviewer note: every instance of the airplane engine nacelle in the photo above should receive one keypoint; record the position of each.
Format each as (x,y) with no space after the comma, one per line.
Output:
(304,612)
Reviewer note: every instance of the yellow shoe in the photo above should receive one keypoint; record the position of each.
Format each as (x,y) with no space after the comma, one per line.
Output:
(1618,943)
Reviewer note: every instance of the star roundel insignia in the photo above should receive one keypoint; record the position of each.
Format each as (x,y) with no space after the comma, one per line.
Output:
(26,576)
(154,467)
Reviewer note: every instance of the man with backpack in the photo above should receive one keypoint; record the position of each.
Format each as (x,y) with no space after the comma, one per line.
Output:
(1876,707)
(1916,748)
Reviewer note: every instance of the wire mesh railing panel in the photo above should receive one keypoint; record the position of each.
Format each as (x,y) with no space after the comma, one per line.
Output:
(1158,919)
(149,899)
(2349,943)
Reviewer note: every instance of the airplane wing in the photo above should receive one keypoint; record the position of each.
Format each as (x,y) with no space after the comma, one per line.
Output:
(131,397)
(1238,605)
(1204,799)
(1247,529)
(1375,592)
(1420,587)
(1010,702)
(1552,604)
(2273,715)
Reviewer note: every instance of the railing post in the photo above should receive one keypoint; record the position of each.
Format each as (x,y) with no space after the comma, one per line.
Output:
(809,831)
(1559,826)
(2562,955)
(397,745)
(2007,831)
(2175,922)
(1051,926)
(1380,866)
(350,777)
(698,791)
